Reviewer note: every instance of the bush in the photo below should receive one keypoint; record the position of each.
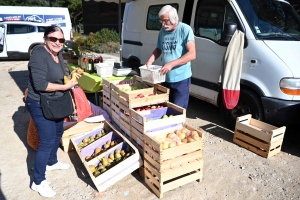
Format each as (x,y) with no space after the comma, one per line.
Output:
(102,41)
(109,47)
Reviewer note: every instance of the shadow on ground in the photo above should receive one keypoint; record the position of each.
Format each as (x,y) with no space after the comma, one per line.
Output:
(21,120)
(20,78)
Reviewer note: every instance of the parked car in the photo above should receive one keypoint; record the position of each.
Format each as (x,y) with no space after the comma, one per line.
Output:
(23,27)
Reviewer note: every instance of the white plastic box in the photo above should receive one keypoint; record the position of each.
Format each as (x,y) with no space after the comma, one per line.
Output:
(104,69)
(108,60)
(152,74)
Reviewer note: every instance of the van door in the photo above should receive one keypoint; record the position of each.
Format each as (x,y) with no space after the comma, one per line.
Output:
(152,26)
(3,52)
(209,20)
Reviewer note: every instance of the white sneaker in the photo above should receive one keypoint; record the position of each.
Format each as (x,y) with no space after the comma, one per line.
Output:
(43,189)
(58,165)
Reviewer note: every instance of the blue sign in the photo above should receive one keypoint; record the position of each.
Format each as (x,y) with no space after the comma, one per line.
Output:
(59,20)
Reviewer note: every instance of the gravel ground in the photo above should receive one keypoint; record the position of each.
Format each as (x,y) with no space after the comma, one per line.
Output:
(230,172)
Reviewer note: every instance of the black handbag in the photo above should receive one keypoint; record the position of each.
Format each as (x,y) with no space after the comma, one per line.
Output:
(57,108)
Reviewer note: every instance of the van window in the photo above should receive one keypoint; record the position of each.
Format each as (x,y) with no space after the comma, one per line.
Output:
(152,16)
(42,28)
(19,29)
(271,20)
(210,18)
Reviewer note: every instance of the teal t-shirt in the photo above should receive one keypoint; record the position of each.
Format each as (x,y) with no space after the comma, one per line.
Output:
(173,46)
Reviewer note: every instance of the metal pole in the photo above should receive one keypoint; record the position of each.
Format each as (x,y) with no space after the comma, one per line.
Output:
(120,31)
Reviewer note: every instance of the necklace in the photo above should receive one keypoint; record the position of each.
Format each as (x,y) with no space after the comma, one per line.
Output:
(55,58)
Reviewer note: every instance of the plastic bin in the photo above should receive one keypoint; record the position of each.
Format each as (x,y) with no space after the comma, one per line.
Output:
(104,69)
(152,74)
(108,60)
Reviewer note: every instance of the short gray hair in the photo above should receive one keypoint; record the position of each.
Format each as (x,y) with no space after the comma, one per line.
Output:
(172,13)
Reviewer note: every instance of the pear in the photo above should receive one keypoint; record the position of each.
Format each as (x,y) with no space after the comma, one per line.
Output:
(66,79)
(97,151)
(117,151)
(92,168)
(106,146)
(74,77)
(118,156)
(96,173)
(88,158)
(92,137)
(122,153)
(105,162)
(111,156)
(99,135)
(85,140)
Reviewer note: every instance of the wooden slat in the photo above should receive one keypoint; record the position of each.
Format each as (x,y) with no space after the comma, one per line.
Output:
(178,171)
(250,147)
(182,181)
(255,132)
(180,150)
(253,141)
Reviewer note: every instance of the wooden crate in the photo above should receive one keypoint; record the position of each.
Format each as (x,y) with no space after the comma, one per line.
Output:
(119,171)
(124,113)
(258,137)
(139,119)
(125,128)
(165,159)
(107,108)
(106,97)
(115,87)
(137,141)
(161,182)
(160,94)
(78,129)
(106,85)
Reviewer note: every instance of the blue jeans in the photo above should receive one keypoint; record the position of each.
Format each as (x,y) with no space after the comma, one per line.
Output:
(50,133)
(179,92)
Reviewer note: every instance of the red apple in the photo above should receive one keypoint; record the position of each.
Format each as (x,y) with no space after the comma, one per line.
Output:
(150,94)
(153,107)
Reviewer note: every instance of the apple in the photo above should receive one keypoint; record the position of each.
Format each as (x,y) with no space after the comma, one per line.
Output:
(182,135)
(172,144)
(150,94)
(153,107)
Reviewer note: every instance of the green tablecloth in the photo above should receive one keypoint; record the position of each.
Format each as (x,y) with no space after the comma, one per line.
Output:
(93,82)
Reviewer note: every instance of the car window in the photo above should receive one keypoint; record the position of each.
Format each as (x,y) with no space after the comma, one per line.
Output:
(210,18)
(41,28)
(152,16)
(20,29)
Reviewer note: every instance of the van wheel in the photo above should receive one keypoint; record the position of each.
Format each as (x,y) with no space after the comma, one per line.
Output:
(134,64)
(249,103)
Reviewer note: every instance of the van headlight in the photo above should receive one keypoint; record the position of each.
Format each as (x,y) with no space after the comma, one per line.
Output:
(290,86)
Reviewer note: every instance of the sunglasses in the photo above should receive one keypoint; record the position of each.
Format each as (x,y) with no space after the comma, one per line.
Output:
(54,39)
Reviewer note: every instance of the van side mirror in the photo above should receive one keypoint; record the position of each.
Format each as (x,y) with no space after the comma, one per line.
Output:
(227,33)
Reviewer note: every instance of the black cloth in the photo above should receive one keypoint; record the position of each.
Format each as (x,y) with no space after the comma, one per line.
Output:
(43,70)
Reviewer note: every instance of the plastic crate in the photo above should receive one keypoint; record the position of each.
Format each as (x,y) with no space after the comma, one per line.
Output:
(152,74)
(104,69)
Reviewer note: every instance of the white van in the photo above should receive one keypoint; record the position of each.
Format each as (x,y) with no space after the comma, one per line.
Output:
(270,79)
(23,28)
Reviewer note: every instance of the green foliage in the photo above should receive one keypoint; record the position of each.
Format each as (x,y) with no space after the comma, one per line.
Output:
(109,47)
(72,45)
(103,41)
(107,35)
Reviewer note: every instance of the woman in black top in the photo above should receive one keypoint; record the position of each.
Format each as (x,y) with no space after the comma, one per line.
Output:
(46,77)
